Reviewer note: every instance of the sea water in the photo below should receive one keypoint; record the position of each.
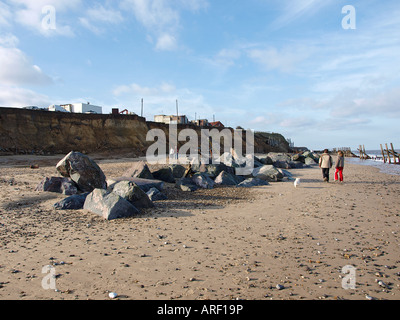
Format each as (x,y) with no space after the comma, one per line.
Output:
(387,168)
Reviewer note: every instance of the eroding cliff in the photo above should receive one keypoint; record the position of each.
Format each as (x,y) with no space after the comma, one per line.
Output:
(42,132)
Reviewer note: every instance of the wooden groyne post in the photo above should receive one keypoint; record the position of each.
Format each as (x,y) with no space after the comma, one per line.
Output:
(363,154)
(387,154)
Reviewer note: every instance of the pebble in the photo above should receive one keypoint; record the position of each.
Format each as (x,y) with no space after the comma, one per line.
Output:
(280,287)
(112,295)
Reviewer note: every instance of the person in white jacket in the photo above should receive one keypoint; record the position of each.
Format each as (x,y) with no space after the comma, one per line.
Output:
(325,163)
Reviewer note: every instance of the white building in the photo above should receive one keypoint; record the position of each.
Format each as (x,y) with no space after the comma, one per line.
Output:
(83,108)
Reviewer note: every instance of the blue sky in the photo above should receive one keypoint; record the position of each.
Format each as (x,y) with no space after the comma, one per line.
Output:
(281,66)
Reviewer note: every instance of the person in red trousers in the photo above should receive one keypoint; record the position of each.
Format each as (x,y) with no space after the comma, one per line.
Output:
(339,167)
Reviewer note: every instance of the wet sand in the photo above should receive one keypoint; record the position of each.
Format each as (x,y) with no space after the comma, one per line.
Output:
(226,243)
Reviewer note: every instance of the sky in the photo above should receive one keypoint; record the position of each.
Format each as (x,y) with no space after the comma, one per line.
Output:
(324,73)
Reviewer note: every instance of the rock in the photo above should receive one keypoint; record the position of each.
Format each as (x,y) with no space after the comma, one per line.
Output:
(252,182)
(268,173)
(83,171)
(75,202)
(296,164)
(213,170)
(266,160)
(130,191)
(298,157)
(164,174)
(144,184)
(186,184)
(203,180)
(58,185)
(310,161)
(177,170)
(109,205)
(227,159)
(139,170)
(227,179)
(155,195)
(282,164)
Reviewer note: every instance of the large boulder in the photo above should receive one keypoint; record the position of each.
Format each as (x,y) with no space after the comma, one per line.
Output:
(109,205)
(252,182)
(268,173)
(144,184)
(177,170)
(186,184)
(310,161)
(139,170)
(83,171)
(131,191)
(58,185)
(75,202)
(156,195)
(164,174)
(227,179)
(203,181)
(213,170)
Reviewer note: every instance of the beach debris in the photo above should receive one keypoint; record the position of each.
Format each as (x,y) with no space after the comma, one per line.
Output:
(83,171)
(139,170)
(109,205)
(368,297)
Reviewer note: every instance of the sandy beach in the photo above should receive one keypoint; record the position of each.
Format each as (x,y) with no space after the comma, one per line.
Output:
(220,244)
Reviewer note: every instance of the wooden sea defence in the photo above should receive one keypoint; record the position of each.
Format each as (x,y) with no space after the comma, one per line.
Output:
(363,154)
(388,154)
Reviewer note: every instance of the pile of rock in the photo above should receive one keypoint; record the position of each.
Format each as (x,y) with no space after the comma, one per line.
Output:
(86,185)
(84,181)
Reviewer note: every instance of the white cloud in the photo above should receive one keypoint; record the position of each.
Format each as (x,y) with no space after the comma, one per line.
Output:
(166,42)
(293,10)
(285,60)
(5,14)
(17,69)
(99,15)
(162,18)
(136,89)
(20,97)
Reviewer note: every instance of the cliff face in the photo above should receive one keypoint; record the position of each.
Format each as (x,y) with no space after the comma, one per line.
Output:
(42,132)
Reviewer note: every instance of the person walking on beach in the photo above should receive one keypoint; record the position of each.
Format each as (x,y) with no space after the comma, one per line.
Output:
(339,167)
(325,163)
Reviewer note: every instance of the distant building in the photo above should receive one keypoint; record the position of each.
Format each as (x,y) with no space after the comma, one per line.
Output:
(171,119)
(201,123)
(82,108)
(217,124)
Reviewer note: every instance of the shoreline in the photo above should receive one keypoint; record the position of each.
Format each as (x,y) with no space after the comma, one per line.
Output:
(220,244)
